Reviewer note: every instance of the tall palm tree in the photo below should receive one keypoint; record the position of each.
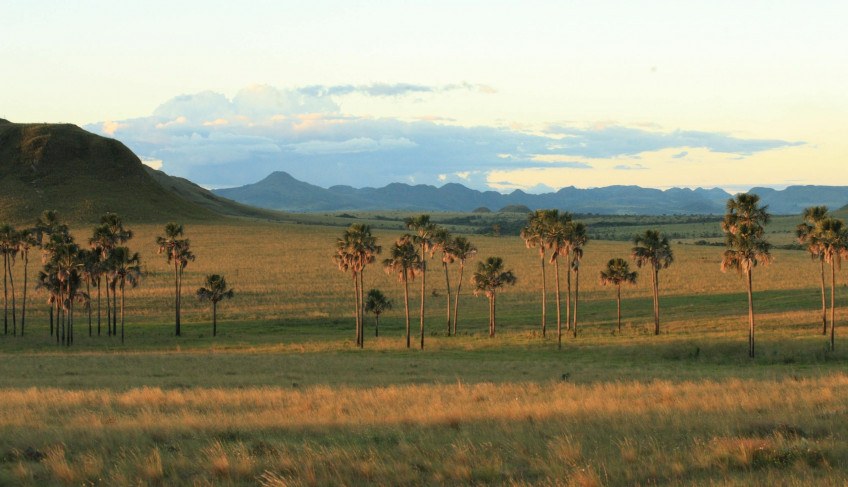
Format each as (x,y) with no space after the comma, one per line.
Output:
(26,241)
(7,248)
(534,235)
(808,233)
(746,245)
(577,239)
(442,242)
(463,250)
(89,273)
(618,272)
(126,269)
(489,277)
(406,263)
(833,241)
(652,248)
(178,252)
(115,227)
(355,249)
(376,303)
(214,291)
(102,242)
(557,239)
(423,237)
(48,281)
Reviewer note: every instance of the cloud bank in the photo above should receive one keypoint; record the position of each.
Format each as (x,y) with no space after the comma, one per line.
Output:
(218,141)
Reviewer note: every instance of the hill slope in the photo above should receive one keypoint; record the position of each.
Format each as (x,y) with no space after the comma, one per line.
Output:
(81,175)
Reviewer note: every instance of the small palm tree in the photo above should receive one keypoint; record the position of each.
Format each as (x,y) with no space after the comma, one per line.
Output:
(406,263)
(808,233)
(490,277)
(376,303)
(618,272)
(126,269)
(214,291)
(534,235)
(463,250)
(652,248)
(746,246)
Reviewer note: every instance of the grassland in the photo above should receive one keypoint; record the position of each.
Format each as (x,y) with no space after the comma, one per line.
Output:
(283,397)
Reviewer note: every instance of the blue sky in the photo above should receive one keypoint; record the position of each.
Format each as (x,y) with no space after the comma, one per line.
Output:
(502,95)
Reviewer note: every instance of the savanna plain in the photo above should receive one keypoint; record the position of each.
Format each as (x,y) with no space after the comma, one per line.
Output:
(284,397)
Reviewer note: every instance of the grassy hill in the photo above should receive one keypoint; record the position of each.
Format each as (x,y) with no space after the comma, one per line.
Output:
(81,175)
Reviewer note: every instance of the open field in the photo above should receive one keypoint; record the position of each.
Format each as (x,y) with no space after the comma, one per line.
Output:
(283,397)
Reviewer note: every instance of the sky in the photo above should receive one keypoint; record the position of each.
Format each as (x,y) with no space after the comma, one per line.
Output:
(531,95)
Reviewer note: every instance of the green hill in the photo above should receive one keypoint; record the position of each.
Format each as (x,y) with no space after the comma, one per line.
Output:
(81,175)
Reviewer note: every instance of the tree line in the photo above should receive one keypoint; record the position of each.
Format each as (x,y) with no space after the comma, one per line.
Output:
(71,272)
(559,238)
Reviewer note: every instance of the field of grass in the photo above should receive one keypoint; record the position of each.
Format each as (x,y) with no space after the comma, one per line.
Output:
(283,397)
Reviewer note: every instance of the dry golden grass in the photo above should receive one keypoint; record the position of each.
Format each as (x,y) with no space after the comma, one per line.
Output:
(613,433)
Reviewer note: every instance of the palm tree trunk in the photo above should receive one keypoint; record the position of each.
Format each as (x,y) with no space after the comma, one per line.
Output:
(51,319)
(544,292)
(456,298)
(99,279)
(447,286)
(356,305)
(5,296)
(115,313)
(750,317)
(832,301)
(23,303)
(423,288)
(494,313)
(559,314)
(406,305)
(108,310)
(656,290)
(568,288)
(377,325)
(618,305)
(824,304)
(576,296)
(214,318)
(122,311)
(12,286)
(88,291)
(176,297)
(362,308)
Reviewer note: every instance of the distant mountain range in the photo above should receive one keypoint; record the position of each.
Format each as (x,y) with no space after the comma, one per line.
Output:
(280,191)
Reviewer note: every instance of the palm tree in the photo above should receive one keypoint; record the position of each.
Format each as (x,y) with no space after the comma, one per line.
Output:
(442,242)
(48,281)
(534,235)
(126,269)
(214,291)
(557,239)
(9,249)
(808,233)
(423,237)
(102,242)
(376,303)
(490,277)
(114,225)
(406,263)
(652,248)
(576,240)
(355,249)
(90,274)
(833,242)
(26,241)
(618,272)
(177,251)
(463,250)
(746,246)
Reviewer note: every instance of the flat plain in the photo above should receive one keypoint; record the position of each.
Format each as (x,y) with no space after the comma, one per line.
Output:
(282,396)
